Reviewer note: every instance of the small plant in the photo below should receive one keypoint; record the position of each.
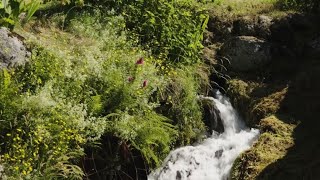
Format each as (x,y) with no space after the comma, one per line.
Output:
(11,11)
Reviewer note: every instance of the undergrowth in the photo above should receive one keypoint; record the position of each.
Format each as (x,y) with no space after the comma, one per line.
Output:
(86,80)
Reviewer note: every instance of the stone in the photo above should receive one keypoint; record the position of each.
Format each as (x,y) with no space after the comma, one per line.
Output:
(212,117)
(246,53)
(244,26)
(222,28)
(12,51)
(263,26)
(218,153)
(179,176)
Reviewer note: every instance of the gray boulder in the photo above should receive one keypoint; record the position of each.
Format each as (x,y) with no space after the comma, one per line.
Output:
(246,53)
(212,117)
(12,50)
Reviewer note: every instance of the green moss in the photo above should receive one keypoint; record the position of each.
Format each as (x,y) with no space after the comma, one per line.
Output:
(267,105)
(238,87)
(272,145)
(238,91)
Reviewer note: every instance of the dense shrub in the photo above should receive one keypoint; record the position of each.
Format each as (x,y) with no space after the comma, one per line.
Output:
(75,90)
(91,81)
(173,30)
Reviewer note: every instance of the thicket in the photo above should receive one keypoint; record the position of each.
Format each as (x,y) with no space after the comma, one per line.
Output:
(131,72)
(173,30)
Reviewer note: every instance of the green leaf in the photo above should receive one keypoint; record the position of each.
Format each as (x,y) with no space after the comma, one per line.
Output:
(8,9)
(4,3)
(6,79)
(8,20)
(32,8)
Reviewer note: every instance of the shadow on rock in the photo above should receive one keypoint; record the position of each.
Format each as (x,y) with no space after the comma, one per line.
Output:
(302,160)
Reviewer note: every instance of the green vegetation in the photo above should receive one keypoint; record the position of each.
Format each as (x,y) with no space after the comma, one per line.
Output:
(10,11)
(112,81)
(131,73)
(242,7)
(279,99)
(172,30)
(306,5)
(229,9)
(272,145)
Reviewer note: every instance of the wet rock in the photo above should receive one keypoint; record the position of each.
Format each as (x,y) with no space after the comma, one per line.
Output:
(218,154)
(179,176)
(212,117)
(246,53)
(12,50)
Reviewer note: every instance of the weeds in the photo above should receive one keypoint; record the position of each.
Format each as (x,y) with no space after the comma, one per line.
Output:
(87,82)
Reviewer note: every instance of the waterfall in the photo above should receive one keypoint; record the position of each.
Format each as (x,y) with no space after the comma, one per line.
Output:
(212,159)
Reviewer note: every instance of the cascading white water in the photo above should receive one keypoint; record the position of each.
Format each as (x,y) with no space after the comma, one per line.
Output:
(213,158)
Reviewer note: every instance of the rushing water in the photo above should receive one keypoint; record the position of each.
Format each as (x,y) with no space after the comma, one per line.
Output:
(213,158)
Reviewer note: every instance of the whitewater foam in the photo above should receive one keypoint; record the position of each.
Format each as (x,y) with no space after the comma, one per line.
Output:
(213,158)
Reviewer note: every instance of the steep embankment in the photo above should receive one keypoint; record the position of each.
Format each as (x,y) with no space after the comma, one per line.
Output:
(105,89)
(273,66)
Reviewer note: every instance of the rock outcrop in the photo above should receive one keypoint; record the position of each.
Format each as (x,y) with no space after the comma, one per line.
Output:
(12,50)
(246,53)
(212,117)
(272,80)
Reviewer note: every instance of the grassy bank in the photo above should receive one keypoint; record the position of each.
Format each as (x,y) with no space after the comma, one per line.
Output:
(96,81)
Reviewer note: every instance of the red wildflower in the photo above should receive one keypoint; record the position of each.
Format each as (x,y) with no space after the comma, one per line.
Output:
(130,78)
(145,83)
(140,61)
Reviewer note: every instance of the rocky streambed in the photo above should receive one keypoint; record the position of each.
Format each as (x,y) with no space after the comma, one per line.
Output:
(269,67)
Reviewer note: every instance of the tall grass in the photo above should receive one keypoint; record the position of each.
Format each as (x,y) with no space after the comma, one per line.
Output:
(85,82)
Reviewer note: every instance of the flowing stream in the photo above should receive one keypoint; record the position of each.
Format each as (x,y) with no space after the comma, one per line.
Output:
(211,159)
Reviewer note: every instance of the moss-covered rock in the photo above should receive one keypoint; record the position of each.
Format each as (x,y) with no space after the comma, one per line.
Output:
(267,105)
(272,145)
(287,85)
(241,94)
